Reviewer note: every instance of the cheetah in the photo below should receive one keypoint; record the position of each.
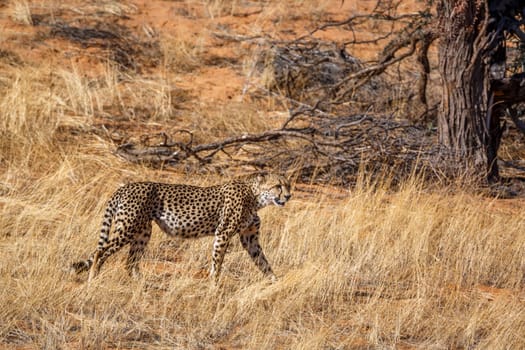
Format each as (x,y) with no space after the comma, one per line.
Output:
(189,212)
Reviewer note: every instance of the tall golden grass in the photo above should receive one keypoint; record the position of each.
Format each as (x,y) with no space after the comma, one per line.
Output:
(370,268)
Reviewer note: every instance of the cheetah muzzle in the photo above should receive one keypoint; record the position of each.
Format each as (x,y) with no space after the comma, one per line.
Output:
(188,211)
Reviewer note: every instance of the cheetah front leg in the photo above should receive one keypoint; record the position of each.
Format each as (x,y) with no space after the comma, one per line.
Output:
(220,246)
(228,225)
(250,242)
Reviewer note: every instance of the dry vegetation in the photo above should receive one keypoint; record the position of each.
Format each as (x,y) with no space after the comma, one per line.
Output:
(366,267)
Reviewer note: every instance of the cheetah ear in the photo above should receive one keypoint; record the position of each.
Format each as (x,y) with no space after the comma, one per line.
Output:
(261,176)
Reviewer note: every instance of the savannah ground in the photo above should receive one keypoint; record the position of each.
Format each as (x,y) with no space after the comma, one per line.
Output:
(364,267)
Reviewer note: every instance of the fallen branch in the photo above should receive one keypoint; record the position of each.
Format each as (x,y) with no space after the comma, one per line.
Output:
(330,148)
(331,130)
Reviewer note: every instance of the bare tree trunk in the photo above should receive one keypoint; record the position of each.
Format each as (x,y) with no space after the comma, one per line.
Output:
(468,131)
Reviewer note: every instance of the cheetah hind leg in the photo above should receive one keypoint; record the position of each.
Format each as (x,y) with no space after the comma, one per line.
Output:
(109,248)
(95,266)
(104,252)
(136,251)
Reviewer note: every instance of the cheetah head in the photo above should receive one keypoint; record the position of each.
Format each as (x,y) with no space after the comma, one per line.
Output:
(271,189)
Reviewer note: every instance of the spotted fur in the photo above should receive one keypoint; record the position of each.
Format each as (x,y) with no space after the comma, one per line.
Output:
(188,211)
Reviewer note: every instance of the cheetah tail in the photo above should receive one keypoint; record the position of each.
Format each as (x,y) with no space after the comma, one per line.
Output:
(85,265)
(81,266)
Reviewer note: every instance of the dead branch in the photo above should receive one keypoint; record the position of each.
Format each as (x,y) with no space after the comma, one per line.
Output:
(329,146)
(173,151)
(352,20)
(332,128)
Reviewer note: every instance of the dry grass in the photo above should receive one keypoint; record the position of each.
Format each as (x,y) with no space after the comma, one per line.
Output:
(384,269)
(369,268)
(181,55)
(359,269)
(20,12)
(233,119)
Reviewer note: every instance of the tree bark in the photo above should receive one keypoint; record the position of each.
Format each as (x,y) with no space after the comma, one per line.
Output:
(468,130)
